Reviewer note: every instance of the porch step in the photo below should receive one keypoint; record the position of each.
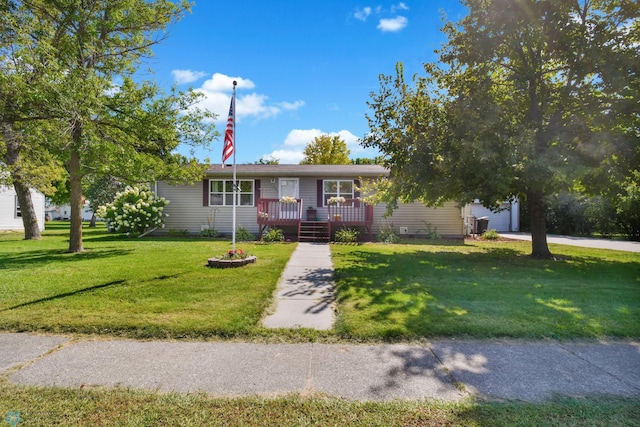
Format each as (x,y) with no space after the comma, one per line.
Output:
(313,231)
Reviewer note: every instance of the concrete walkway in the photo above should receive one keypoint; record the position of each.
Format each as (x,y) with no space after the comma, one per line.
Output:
(585,242)
(443,370)
(305,296)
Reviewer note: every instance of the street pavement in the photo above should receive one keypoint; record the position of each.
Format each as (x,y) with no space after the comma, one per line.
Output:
(585,242)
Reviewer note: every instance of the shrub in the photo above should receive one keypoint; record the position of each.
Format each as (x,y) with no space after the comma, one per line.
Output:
(244,235)
(178,233)
(134,210)
(387,235)
(431,233)
(209,232)
(491,234)
(347,235)
(273,235)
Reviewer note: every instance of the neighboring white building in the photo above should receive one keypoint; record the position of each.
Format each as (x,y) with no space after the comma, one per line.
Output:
(63,212)
(506,220)
(10,214)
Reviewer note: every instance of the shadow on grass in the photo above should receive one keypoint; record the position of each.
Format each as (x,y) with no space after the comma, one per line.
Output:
(500,292)
(65,295)
(25,259)
(432,242)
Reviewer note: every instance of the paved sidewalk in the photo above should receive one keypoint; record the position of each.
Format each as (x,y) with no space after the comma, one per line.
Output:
(305,296)
(585,242)
(445,370)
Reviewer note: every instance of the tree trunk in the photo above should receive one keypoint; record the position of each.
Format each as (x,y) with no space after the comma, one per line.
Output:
(28,212)
(538,223)
(92,223)
(75,179)
(11,159)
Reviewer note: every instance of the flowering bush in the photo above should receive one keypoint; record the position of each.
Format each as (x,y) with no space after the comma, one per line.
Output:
(288,199)
(134,210)
(334,200)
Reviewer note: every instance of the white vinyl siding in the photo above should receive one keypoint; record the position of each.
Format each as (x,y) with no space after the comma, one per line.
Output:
(418,219)
(186,210)
(10,216)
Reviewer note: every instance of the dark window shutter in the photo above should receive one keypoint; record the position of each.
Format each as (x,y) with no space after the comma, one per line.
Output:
(205,192)
(319,200)
(356,193)
(256,194)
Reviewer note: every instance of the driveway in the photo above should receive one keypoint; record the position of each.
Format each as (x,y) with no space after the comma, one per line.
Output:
(585,242)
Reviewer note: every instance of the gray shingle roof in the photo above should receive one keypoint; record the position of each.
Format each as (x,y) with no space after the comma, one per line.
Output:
(298,170)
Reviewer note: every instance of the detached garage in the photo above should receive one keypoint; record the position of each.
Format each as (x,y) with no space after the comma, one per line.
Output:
(506,220)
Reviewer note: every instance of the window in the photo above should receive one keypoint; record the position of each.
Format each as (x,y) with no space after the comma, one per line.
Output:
(221,192)
(18,212)
(337,188)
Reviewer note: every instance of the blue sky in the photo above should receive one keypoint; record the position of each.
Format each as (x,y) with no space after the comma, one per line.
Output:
(304,67)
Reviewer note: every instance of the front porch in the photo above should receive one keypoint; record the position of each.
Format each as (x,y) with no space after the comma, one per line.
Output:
(316,224)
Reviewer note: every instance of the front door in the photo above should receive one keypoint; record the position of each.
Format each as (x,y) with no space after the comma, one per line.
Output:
(289,187)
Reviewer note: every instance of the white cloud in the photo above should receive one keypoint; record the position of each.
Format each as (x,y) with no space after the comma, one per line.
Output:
(297,140)
(218,90)
(399,6)
(291,105)
(393,24)
(187,76)
(362,14)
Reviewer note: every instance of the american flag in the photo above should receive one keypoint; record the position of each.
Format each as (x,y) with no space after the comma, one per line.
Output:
(227,150)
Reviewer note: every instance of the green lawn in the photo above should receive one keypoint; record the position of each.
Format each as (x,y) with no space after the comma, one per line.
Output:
(151,287)
(485,289)
(160,288)
(121,407)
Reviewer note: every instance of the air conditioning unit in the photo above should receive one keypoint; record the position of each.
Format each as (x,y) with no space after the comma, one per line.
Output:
(404,230)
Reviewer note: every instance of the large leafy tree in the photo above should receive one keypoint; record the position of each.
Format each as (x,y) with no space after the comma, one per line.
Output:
(103,121)
(326,150)
(520,104)
(25,76)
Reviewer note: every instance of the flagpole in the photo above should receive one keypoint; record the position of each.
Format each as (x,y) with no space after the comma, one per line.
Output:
(235,183)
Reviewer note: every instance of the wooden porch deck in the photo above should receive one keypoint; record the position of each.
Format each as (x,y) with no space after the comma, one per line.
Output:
(350,213)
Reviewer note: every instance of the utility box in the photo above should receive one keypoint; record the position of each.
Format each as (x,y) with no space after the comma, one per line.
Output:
(404,230)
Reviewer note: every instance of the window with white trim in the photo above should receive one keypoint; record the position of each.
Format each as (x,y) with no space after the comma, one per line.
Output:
(17,211)
(221,192)
(337,188)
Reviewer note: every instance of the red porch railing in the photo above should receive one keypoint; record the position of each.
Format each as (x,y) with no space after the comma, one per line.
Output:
(274,212)
(351,212)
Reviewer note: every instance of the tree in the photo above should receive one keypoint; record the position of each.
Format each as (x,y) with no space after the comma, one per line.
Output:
(97,126)
(268,160)
(378,160)
(24,163)
(519,105)
(100,191)
(326,150)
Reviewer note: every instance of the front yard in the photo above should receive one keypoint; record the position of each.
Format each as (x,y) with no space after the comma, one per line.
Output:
(160,288)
